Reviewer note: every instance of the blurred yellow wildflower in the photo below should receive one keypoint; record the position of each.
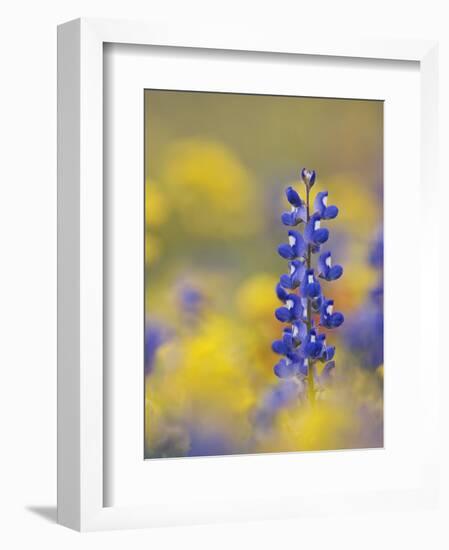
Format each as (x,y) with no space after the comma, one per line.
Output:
(156,210)
(211,192)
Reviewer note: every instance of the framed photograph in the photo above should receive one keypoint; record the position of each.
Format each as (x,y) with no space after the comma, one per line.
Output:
(241,304)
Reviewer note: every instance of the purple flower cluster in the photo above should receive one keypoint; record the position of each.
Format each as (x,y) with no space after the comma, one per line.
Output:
(305,308)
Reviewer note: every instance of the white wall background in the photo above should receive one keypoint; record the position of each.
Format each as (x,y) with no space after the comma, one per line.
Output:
(28,267)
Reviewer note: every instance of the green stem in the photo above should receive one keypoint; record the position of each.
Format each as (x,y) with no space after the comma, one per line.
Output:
(310,381)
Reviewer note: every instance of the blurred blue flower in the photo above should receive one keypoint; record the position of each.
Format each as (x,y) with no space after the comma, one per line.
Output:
(155,336)
(364,334)
(191,299)
(283,394)
(365,337)
(203,443)
(376,255)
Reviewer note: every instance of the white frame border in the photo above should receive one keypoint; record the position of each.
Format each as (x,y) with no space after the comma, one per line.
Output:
(80,230)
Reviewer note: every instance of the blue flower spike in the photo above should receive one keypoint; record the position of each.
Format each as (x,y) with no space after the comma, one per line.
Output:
(305,308)
(321,208)
(326,270)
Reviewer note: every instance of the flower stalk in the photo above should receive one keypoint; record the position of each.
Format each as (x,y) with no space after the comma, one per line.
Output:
(302,346)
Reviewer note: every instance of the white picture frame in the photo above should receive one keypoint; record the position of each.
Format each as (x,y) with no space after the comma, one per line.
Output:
(81,406)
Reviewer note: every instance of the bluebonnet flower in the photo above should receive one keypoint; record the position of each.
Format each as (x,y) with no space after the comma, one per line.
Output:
(328,318)
(301,345)
(298,211)
(320,205)
(312,346)
(310,287)
(286,345)
(314,234)
(291,311)
(325,268)
(295,248)
(295,275)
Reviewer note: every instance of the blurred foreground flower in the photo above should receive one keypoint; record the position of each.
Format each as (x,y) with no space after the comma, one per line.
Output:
(156,335)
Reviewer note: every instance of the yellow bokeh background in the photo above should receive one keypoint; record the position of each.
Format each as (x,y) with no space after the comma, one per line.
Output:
(216,166)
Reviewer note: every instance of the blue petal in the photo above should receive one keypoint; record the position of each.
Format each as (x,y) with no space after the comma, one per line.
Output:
(286,282)
(323,268)
(286,251)
(304,368)
(330,352)
(321,235)
(289,218)
(337,319)
(330,212)
(318,204)
(278,346)
(287,340)
(315,236)
(293,197)
(281,293)
(282,314)
(313,290)
(327,369)
(300,332)
(299,271)
(335,272)
(310,289)
(284,369)
(299,247)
